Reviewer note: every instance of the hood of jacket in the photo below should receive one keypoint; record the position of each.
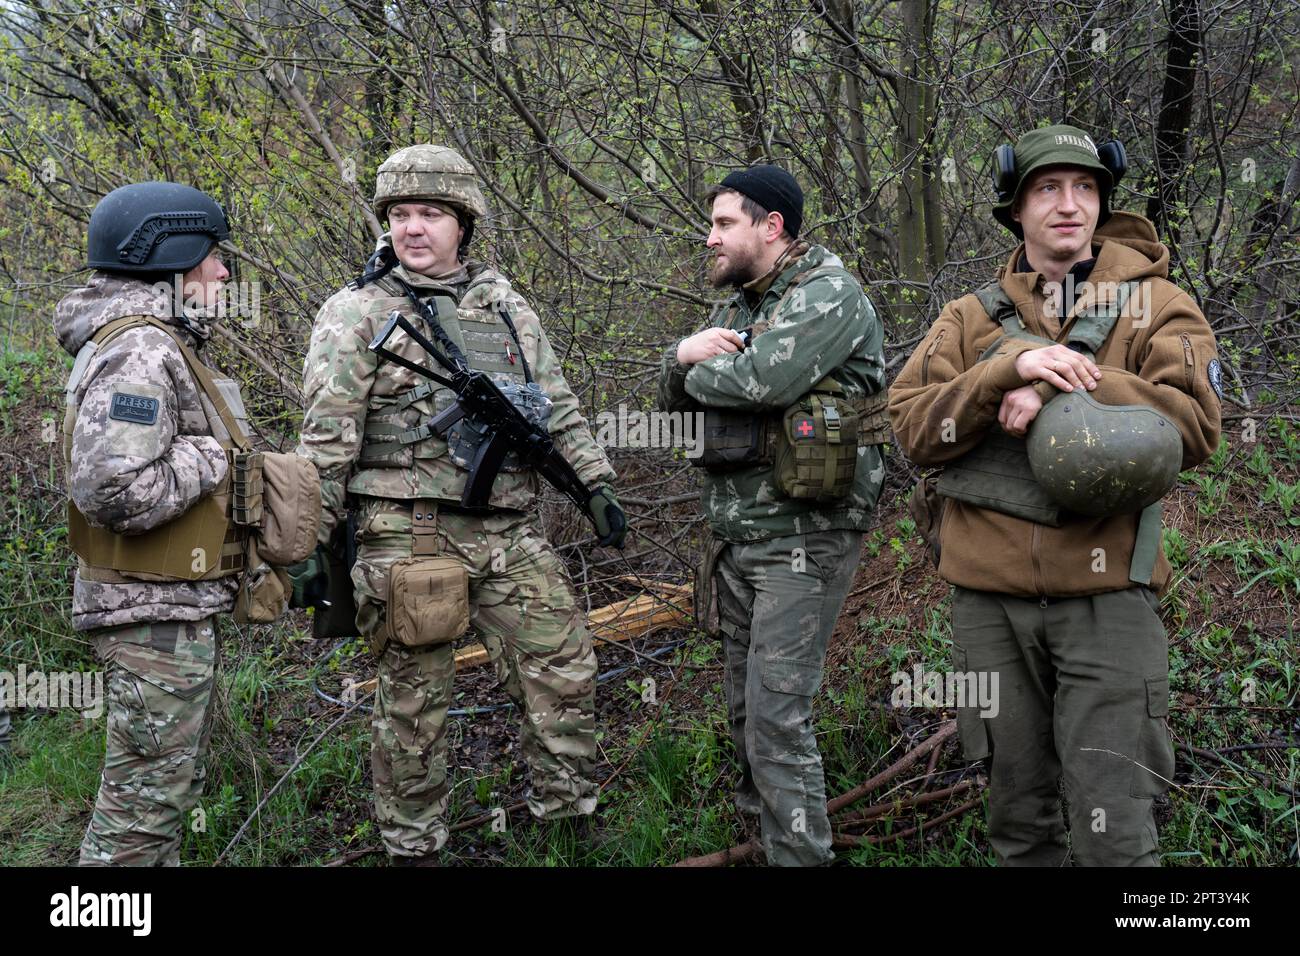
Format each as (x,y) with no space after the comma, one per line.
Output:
(1126,248)
(84,311)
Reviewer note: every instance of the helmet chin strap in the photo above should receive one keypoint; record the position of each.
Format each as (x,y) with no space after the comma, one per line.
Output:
(198,321)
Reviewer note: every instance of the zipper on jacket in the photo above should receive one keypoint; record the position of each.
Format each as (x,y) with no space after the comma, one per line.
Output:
(1189,366)
(1035,541)
(925,363)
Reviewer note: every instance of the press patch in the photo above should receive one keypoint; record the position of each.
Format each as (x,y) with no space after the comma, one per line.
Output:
(1215,371)
(134,408)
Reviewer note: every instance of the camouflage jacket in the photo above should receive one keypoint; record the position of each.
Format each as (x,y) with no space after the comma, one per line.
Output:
(810,319)
(129,475)
(356,405)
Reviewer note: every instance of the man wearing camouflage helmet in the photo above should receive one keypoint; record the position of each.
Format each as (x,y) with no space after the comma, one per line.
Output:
(426,566)
(146,451)
(790,380)
(1083,344)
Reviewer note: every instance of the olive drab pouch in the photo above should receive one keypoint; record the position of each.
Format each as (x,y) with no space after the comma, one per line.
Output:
(733,440)
(817,444)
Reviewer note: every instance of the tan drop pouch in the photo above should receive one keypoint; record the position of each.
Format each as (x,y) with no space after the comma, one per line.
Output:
(428,601)
(290,509)
(263,591)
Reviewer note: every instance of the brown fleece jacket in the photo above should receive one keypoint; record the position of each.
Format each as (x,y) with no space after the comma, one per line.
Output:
(1158,355)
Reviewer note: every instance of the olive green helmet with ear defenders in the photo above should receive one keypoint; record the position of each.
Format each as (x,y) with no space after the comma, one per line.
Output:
(1054,146)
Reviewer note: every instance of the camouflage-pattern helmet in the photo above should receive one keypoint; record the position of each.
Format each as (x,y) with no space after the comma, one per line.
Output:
(1103,460)
(431,173)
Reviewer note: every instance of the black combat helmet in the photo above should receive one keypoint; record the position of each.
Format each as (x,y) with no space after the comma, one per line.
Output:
(154,229)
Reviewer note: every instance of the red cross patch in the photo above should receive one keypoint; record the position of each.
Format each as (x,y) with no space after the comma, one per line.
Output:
(805,428)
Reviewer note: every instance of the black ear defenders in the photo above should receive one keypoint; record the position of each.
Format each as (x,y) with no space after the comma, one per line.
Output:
(1004,172)
(1113,157)
(1110,154)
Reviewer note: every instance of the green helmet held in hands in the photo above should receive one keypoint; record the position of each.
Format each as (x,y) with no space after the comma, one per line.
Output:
(1103,460)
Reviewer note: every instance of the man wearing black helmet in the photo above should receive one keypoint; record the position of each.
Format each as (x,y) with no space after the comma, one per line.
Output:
(147,430)
(1052,545)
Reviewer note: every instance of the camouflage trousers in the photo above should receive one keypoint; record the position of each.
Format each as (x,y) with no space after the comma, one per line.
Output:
(777,602)
(1082,698)
(522,609)
(159,685)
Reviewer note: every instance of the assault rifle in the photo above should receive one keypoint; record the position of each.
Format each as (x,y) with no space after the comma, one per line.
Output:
(480,400)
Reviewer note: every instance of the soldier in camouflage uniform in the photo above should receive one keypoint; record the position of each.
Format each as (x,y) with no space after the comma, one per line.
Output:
(362,428)
(783,565)
(143,445)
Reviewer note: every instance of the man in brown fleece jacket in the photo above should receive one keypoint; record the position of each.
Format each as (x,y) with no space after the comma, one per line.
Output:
(1064,616)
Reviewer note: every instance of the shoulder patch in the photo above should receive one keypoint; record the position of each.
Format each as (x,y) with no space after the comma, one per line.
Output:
(140,409)
(1215,373)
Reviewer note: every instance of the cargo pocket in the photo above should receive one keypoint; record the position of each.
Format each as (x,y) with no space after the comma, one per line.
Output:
(1154,757)
(132,721)
(785,676)
(428,601)
(178,664)
(972,732)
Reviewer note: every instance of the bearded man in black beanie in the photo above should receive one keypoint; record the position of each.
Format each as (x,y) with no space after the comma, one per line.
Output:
(790,378)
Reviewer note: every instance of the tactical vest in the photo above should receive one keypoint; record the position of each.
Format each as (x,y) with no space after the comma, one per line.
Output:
(397,434)
(202,544)
(812,443)
(995,474)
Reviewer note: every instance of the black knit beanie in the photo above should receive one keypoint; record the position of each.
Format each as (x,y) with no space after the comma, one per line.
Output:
(772,188)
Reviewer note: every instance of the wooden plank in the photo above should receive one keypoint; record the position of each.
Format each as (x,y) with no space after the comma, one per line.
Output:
(609,624)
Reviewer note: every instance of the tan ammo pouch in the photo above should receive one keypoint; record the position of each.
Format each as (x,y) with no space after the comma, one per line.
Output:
(263,590)
(817,444)
(428,594)
(278,496)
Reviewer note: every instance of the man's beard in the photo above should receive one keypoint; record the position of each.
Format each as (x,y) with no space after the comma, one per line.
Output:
(738,270)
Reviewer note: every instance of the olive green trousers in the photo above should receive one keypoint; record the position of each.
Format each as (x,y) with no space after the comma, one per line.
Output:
(1083,694)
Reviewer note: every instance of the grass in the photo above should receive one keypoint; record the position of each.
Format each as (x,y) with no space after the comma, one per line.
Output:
(1234,667)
